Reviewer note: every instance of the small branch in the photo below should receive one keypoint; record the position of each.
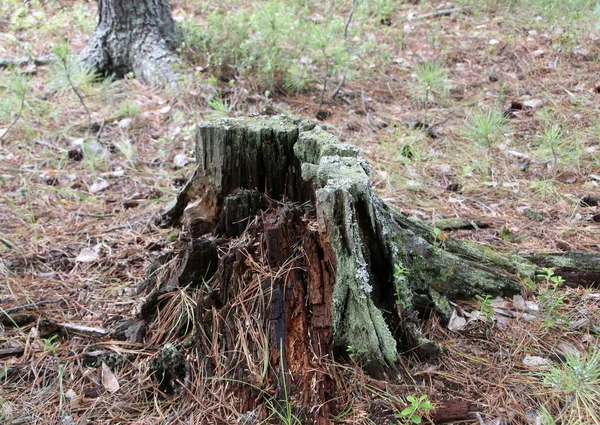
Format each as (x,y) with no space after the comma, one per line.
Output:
(51,146)
(29,306)
(40,61)
(85,330)
(79,95)
(3,135)
(443,12)
(9,352)
(354,3)
(456,224)
(339,87)
(325,79)
(343,80)
(364,105)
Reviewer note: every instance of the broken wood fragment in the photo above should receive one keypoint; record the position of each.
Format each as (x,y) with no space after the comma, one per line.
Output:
(451,410)
(26,60)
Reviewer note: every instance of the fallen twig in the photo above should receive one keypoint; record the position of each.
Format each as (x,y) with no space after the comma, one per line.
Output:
(343,80)
(51,146)
(364,105)
(442,12)
(29,306)
(9,352)
(40,61)
(86,330)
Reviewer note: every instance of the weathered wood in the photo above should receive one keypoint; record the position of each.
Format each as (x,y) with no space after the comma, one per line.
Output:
(297,260)
(577,268)
(451,410)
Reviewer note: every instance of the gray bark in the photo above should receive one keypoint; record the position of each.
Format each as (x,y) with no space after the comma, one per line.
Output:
(134,36)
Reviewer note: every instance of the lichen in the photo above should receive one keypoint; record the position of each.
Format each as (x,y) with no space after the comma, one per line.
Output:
(341,181)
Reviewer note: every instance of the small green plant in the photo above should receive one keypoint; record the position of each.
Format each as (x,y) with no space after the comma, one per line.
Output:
(219,107)
(431,85)
(69,73)
(355,352)
(13,93)
(432,82)
(50,345)
(485,307)
(127,109)
(552,139)
(487,127)
(551,299)
(577,382)
(545,189)
(400,274)
(418,408)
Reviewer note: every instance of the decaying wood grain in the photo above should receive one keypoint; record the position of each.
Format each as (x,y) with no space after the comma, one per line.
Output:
(298,263)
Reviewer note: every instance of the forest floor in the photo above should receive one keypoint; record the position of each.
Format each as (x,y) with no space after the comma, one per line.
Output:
(488,113)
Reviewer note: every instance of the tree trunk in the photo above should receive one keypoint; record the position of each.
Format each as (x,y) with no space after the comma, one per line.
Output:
(134,36)
(298,261)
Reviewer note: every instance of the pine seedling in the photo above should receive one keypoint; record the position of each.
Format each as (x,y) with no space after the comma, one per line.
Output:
(432,85)
(577,380)
(487,127)
(13,92)
(69,73)
(552,139)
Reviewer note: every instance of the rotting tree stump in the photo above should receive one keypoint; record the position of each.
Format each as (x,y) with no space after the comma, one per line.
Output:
(297,262)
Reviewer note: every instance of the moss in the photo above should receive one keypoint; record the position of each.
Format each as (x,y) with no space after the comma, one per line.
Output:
(442,306)
(318,143)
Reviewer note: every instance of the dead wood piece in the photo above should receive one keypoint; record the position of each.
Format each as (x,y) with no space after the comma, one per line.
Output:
(47,327)
(130,329)
(456,224)
(451,410)
(443,12)
(577,268)
(39,60)
(85,330)
(30,306)
(9,352)
(312,265)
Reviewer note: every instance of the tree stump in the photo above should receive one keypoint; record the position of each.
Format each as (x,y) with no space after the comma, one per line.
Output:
(297,262)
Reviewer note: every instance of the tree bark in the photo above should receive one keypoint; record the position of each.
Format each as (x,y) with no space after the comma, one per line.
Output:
(134,36)
(298,261)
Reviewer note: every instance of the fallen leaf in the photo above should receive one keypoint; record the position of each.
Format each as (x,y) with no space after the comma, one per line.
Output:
(456,322)
(533,103)
(89,255)
(109,380)
(98,185)
(180,160)
(535,361)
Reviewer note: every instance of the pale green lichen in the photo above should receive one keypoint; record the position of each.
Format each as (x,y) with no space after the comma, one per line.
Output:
(318,143)
(342,180)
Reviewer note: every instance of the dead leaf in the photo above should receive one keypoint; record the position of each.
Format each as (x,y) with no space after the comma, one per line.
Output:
(89,255)
(98,185)
(533,103)
(456,322)
(535,361)
(109,380)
